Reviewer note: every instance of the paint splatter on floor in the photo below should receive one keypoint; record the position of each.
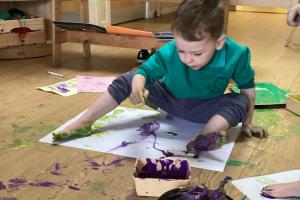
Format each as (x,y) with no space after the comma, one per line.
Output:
(238,163)
(19,143)
(98,187)
(55,170)
(20,128)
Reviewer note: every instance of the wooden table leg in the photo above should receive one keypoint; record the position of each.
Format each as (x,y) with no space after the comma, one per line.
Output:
(56,46)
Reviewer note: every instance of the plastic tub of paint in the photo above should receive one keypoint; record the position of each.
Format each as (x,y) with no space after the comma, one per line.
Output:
(293,103)
(153,177)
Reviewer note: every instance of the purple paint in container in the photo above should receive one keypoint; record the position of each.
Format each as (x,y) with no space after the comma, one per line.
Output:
(163,169)
(153,177)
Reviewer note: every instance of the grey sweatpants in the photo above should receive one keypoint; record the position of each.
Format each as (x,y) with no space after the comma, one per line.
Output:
(232,106)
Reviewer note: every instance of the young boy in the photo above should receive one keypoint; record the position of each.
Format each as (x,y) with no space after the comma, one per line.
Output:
(187,77)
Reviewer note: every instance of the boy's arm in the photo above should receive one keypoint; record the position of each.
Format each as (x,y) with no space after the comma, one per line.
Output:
(248,126)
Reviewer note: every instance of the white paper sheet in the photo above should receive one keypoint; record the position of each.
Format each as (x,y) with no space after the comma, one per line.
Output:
(121,125)
(252,186)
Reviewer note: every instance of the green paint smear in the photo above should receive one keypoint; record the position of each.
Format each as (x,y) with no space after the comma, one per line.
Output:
(18,144)
(238,163)
(266,118)
(77,133)
(294,129)
(98,187)
(267,94)
(20,129)
(265,180)
(117,112)
(101,133)
(47,127)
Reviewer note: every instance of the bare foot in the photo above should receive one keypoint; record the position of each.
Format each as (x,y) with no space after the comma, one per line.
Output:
(283,190)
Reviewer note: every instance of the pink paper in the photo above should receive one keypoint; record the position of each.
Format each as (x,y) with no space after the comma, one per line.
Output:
(93,84)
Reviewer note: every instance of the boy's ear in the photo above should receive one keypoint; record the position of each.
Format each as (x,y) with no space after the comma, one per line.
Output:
(220,42)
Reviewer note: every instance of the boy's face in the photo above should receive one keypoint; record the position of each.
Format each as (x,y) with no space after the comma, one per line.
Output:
(196,54)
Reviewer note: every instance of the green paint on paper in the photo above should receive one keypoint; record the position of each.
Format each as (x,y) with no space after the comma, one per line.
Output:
(105,118)
(267,94)
(265,180)
(238,163)
(20,129)
(18,144)
(99,133)
(117,112)
(98,187)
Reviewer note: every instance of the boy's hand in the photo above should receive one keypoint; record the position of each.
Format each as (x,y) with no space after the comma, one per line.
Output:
(138,93)
(251,130)
(206,142)
(73,131)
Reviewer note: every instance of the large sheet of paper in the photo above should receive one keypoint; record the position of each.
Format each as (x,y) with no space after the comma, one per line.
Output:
(252,186)
(120,126)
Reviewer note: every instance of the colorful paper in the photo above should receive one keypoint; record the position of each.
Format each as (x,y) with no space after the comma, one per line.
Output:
(267,94)
(93,84)
(118,133)
(65,88)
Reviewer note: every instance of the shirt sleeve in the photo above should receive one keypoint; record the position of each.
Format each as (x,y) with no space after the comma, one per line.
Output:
(244,73)
(155,67)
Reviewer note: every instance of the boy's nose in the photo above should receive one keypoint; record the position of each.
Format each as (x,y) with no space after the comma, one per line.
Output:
(187,58)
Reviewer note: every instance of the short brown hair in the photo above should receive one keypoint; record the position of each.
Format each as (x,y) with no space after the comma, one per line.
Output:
(196,17)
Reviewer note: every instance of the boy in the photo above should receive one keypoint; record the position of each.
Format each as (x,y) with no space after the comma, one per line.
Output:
(187,77)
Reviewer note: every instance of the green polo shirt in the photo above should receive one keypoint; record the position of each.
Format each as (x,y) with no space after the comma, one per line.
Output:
(231,62)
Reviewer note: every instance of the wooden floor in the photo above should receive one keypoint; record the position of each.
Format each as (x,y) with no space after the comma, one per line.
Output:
(27,114)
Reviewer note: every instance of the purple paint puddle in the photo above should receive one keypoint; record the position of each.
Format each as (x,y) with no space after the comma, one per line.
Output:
(73,187)
(162,168)
(16,183)
(55,170)
(204,193)
(44,184)
(2,186)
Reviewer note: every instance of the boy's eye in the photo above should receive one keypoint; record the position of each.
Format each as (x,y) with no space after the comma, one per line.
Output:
(197,54)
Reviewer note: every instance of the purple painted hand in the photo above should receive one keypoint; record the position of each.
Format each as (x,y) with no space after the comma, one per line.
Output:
(207,142)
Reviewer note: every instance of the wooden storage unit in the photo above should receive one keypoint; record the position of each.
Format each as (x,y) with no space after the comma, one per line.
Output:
(34,24)
(24,45)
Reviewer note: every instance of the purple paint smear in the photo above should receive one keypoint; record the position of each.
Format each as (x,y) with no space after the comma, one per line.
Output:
(8,198)
(2,186)
(63,88)
(45,184)
(152,128)
(94,165)
(74,188)
(16,183)
(165,169)
(56,169)
(267,195)
(123,144)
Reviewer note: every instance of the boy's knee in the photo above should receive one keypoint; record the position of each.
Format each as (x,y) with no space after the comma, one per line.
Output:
(120,88)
